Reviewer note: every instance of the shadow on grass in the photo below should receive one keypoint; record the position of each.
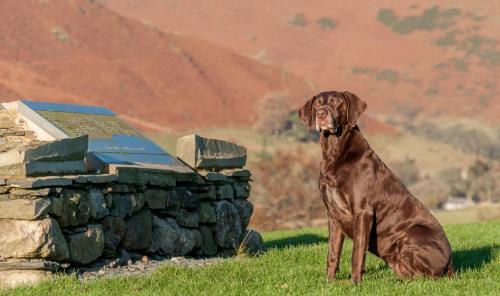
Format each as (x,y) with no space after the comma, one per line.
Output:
(474,258)
(303,239)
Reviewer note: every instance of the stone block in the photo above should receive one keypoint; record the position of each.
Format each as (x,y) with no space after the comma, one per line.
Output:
(204,153)
(156,198)
(87,246)
(24,209)
(213,176)
(242,190)
(60,157)
(39,239)
(209,192)
(187,198)
(140,200)
(208,246)
(245,210)
(122,205)
(207,212)
(121,188)
(98,207)
(236,173)
(251,242)
(197,238)
(75,208)
(137,176)
(138,231)
(40,182)
(45,168)
(96,179)
(114,230)
(227,229)
(188,219)
(172,200)
(170,239)
(17,193)
(29,264)
(69,149)
(225,192)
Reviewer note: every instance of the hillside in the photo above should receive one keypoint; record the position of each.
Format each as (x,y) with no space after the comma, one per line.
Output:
(295,265)
(79,51)
(441,57)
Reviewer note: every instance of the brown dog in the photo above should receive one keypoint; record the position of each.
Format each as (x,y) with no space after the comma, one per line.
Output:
(366,201)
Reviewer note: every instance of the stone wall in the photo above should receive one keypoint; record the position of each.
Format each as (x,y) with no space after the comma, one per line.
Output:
(49,221)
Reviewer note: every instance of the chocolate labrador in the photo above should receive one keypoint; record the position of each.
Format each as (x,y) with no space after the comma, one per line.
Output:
(366,201)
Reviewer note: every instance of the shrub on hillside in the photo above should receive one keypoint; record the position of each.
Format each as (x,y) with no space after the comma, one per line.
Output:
(406,170)
(464,138)
(431,192)
(298,131)
(286,188)
(272,113)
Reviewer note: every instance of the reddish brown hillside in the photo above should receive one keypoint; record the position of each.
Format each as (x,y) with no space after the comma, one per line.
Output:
(442,56)
(81,52)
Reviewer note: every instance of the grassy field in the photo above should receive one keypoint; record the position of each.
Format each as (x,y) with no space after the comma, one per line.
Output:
(295,264)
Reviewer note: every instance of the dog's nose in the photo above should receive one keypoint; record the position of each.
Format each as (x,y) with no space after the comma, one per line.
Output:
(321,114)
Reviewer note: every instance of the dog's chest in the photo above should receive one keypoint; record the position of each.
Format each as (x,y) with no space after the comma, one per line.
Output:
(340,207)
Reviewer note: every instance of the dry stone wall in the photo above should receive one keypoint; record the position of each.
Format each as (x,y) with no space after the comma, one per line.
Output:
(49,221)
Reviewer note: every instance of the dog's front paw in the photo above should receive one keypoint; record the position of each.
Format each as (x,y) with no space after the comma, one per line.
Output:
(330,275)
(356,279)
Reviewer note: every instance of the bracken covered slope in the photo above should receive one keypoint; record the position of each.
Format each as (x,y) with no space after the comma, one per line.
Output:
(441,57)
(79,51)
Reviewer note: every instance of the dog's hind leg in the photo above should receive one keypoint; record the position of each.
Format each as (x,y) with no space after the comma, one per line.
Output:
(423,253)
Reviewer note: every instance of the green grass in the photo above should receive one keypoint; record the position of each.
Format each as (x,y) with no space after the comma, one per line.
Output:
(295,265)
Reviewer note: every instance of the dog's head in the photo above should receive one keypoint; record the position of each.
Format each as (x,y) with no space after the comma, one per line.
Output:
(331,111)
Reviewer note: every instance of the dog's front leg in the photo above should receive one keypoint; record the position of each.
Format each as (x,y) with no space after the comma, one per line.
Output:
(335,242)
(361,236)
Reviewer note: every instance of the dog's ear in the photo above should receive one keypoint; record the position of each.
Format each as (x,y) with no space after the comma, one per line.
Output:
(355,107)
(306,113)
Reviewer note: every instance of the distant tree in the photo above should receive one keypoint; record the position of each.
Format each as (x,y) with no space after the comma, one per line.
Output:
(272,113)
(299,20)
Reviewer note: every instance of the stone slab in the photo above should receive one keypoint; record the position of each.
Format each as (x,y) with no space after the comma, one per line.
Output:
(96,179)
(38,182)
(53,168)
(29,265)
(205,153)
(60,157)
(236,173)
(213,176)
(14,278)
(141,176)
(24,209)
(69,149)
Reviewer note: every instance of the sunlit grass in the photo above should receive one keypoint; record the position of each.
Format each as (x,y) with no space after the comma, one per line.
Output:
(294,265)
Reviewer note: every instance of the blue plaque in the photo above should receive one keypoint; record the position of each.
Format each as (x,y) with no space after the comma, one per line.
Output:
(111,140)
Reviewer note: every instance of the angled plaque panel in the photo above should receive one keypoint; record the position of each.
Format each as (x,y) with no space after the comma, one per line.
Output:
(111,141)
